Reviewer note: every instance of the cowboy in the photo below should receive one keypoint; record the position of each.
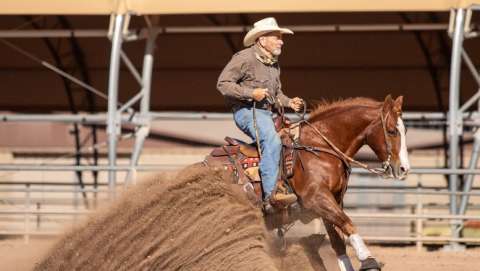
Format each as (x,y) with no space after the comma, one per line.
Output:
(252,80)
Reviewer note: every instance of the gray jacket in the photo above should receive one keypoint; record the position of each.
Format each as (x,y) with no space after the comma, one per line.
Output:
(249,69)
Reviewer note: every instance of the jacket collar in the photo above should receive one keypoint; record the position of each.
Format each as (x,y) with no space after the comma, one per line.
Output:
(262,57)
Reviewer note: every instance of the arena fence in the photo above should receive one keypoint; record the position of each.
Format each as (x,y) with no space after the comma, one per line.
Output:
(32,216)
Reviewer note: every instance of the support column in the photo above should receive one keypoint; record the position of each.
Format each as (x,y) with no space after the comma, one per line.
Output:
(455,122)
(144,128)
(467,186)
(113,121)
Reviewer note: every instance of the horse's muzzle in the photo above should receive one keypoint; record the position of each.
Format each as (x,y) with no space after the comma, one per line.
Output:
(394,171)
(399,172)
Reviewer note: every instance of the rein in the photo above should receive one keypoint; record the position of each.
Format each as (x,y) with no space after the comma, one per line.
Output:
(257,139)
(385,165)
(341,155)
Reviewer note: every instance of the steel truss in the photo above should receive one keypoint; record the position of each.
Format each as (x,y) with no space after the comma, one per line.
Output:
(118,33)
(143,32)
(459,30)
(118,28)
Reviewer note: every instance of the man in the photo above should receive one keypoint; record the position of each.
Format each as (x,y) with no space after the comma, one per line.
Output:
(252,77)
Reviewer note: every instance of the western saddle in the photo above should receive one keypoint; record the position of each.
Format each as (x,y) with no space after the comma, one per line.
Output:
(242,160)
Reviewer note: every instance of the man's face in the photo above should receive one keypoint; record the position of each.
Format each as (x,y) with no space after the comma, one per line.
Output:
(272,42)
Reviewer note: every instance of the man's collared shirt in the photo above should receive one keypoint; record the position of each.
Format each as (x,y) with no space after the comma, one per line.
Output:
(247,70)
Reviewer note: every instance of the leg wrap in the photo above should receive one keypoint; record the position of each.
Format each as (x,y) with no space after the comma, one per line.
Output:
(360,248)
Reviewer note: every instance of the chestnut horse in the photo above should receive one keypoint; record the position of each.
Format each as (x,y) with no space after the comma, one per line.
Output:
(328,139)
(320,179)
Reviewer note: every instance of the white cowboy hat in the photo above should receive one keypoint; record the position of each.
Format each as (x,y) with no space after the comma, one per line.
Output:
(262,27)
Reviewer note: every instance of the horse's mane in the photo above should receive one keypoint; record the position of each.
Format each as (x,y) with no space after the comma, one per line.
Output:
(326,106)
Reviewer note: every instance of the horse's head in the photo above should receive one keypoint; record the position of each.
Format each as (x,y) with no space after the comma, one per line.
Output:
(387,138)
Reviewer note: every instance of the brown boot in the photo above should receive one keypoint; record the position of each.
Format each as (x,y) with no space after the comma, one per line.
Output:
(285,199)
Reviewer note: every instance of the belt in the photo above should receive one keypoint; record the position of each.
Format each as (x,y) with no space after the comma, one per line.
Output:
(263,105)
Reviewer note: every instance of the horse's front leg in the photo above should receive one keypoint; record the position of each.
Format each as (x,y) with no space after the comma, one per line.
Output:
(324,204)
(338,244)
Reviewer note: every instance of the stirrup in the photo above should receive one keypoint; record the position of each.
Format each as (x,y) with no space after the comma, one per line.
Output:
(267,206)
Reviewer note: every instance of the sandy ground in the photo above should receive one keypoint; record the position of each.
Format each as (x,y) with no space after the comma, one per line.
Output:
(407,258)
(15,255)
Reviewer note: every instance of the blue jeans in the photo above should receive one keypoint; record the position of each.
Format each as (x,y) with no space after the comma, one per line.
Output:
(270,143)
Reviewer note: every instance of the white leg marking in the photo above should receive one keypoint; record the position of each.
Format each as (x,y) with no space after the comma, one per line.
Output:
(344,263)
(359,246)
(403,145)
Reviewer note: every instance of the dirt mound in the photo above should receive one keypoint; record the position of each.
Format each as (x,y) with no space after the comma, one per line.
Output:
(196,222)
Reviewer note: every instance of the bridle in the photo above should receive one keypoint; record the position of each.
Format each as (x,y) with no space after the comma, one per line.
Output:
(386,164)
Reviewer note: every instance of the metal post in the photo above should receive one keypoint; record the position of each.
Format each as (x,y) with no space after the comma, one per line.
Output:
(75,202)
(147,72)
(471,67)
(26,235)
(419,211)
(476,76)
(39,207)
(469,181)
(455,125)
(113,124)
(142,133)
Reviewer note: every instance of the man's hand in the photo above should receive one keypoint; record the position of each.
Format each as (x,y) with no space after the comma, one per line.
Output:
(259,94)
(296,104)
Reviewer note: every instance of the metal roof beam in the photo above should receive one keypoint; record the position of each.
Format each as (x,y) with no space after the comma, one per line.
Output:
(98,33)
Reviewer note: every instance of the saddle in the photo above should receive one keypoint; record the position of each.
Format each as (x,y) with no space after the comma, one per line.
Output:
(242,160)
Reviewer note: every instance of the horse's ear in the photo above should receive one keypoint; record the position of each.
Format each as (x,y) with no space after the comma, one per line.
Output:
(388,98)
(388,103)
(397,107)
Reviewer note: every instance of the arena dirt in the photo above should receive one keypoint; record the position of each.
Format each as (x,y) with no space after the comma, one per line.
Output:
(197,220)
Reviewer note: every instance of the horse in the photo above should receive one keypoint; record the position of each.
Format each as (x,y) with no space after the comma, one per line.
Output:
(329,138)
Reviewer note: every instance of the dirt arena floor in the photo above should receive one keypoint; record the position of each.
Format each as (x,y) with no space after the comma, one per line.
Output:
(197,221)
(15,255)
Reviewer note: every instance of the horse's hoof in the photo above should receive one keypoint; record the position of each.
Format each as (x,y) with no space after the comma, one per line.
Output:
(370,264)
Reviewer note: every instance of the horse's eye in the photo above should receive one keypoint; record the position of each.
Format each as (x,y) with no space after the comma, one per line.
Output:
(392,132)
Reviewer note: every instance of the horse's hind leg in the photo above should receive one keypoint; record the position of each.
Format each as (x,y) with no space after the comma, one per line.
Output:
(338,245)
(325,205)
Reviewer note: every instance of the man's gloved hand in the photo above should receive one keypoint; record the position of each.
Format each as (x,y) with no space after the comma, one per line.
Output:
(259,94)
(296,104)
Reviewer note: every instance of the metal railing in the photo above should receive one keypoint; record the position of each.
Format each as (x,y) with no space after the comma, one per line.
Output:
(415,214)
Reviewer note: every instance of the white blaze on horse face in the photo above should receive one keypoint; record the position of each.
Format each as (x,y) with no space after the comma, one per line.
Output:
(403,145)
